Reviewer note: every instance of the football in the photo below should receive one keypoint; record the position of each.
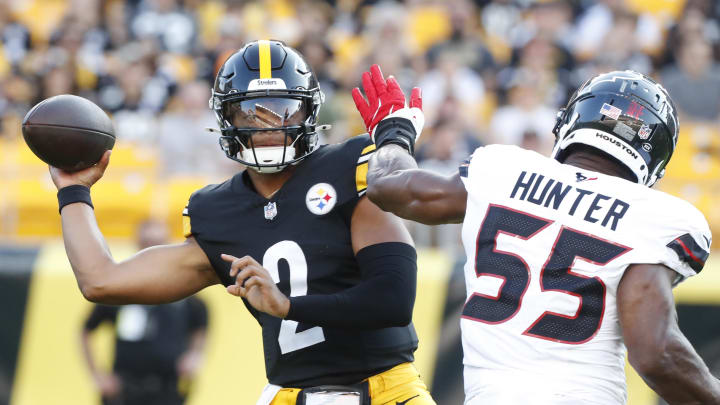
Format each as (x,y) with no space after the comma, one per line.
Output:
(68,132)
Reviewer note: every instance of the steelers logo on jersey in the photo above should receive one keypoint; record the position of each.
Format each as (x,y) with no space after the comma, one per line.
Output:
(321,198)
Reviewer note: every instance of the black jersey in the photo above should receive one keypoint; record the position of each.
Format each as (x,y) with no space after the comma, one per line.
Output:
(302,236)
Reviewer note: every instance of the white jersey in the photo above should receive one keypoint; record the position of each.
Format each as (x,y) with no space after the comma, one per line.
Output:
(547,245)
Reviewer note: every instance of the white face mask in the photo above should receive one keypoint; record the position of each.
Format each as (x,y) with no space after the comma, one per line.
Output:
(270,157)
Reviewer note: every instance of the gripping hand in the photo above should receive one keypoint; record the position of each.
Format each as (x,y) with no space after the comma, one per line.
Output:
(387,118)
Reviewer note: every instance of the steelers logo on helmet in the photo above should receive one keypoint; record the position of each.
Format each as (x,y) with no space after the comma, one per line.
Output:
(321,198)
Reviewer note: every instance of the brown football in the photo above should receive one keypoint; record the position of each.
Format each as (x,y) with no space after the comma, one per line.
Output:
(68,132)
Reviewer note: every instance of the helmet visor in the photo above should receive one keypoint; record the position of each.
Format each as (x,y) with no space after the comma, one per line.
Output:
(265,112)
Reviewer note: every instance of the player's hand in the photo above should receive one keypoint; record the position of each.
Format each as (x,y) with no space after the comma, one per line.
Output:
(254,283)
(385,99)
(86,177)
(109,385)
(188,364)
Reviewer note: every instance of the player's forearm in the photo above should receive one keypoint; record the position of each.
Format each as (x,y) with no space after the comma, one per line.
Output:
(678,374)
(389,175)
(396,185)
(86,249)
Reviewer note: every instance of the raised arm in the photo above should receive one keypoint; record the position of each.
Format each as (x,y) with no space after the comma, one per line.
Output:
(155,275)
(657,349)
(395,183)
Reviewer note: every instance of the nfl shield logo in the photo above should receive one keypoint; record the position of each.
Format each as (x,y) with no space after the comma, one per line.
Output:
(270,211)
(644,131)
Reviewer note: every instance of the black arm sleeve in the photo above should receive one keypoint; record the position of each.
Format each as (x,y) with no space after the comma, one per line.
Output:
(384,298)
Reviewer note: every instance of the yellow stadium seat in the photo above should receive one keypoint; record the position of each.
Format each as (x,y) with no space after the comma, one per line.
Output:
(26,160)
(427,25)
(4,157)
(7,208)
(664,9)
(121,204)
(210,13)
(127,157)
(35,205)
(41,16)
(696,156)
(178,193)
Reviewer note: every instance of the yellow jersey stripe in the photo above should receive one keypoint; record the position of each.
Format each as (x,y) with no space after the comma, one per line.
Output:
(368,149)
(361,177)
(187,229)
(265,62)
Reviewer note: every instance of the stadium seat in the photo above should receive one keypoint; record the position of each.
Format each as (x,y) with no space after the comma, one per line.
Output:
(129,158)
(122,204)
(178,193)
(34,207)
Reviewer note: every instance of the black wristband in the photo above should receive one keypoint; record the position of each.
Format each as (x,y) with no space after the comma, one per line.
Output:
(396,130)
(72,194)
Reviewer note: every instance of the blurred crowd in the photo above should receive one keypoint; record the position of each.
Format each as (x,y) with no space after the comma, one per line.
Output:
(491,71)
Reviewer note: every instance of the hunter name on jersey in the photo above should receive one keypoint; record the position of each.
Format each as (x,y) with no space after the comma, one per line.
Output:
(554,192)
(301,235)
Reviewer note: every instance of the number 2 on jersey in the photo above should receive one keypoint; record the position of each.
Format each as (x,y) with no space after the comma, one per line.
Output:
(288,339)
(556,275)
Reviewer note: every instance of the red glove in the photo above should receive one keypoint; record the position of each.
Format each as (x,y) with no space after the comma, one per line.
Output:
(383,98)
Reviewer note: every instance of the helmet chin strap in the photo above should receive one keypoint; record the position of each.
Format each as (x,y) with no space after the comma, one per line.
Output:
(269,158)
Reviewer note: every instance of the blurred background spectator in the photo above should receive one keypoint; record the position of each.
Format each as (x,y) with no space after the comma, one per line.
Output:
(503,67)
(159,349)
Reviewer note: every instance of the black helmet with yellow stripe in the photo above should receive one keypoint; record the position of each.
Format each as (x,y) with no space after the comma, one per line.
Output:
(267,88)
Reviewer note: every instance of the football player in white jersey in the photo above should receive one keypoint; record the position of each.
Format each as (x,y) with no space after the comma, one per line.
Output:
(571,259)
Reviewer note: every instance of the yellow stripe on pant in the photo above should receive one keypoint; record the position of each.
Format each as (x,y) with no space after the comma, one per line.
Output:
(399,385)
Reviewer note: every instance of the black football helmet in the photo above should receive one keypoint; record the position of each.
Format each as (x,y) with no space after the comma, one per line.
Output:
(626,115)
(266,86)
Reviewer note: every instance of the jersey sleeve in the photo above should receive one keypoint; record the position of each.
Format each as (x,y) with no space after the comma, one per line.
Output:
(198,212)
(361,169)
(186,226)
(681,239)
(482,166)
(688,248)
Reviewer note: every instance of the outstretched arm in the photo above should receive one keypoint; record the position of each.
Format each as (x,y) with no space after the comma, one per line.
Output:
(657,349)
(396,184)
(154,275)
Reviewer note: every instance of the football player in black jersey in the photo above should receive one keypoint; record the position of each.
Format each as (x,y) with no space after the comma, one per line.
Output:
(329,276)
